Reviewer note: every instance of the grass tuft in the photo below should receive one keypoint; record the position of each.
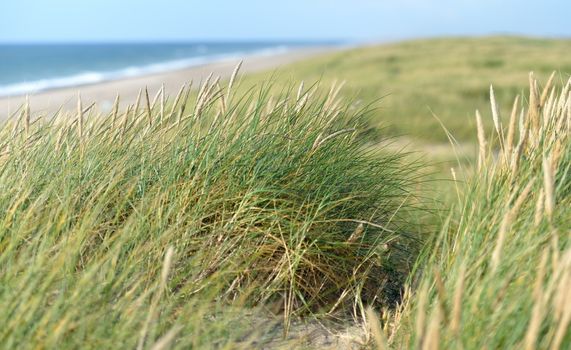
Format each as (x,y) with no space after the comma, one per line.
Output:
(499,273)
(141,228)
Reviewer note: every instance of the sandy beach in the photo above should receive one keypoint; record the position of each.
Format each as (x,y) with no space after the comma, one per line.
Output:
(104,93)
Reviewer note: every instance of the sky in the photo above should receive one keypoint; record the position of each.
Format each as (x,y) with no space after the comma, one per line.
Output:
(309,20)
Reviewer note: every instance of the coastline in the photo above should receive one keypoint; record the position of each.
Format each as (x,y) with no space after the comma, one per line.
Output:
(104,93)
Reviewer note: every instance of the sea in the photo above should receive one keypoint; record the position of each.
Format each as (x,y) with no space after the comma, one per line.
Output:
(29,68)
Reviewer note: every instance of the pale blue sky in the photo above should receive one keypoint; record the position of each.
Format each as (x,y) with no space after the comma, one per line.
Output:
(152,20)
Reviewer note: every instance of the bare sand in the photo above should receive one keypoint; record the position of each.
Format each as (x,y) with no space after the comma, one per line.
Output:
(47,102)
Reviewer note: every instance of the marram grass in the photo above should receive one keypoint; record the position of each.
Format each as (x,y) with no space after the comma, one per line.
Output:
(499,274)
(159,225)
(184,223)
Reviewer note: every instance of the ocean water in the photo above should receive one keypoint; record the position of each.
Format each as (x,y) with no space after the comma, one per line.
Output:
(29,68)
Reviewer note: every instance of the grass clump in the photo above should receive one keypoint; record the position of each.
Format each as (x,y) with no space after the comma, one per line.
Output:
(499,274)
(140,228)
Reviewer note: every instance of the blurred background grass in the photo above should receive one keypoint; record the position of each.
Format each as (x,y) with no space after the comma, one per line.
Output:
(447,77)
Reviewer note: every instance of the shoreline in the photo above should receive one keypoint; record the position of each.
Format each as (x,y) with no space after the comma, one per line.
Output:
(104,93)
